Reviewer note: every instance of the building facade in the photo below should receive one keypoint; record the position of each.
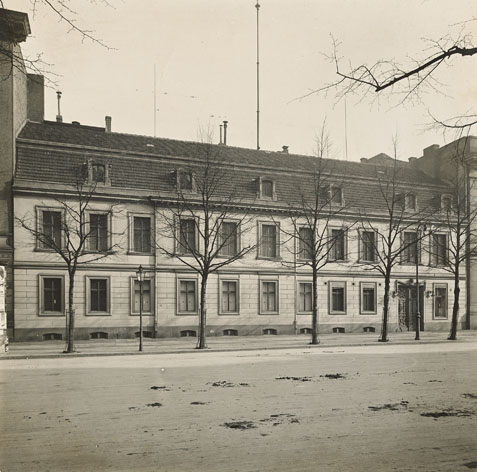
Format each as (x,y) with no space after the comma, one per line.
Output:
(146,208)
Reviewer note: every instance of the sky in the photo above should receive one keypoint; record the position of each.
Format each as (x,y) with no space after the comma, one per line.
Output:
(204,53)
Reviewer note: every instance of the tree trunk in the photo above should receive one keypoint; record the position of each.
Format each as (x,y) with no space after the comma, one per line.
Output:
(314,315)
(455,309)
(70,346)
(203,313)
(384,329)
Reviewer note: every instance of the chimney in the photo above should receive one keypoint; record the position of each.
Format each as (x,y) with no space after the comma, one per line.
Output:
(220,126)
(59,118)
(363,160)
(107,124)
(35,97)
(285,149)
(413,161)
(225,132)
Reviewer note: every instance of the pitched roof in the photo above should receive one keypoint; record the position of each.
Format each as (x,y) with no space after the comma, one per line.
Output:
(52,152)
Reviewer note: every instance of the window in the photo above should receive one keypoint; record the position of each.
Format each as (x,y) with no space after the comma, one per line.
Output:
(98,232)
(446,202)
(306,331)
(368,298)
(147,296)
(230,332)
(305,243)
(52,337)
(270,331)
(337,298)
(229,297)
(185,180)
(368,246)
(50,236)
(269,242)
(187,236)
(336,195)
(52,300)
(440,301)
(410,201)
(98,295)
(409,248)
(338,330)
(228,238)
(187,297)
(98,173)
(269,297)
(142,234)
(98,335)
(338,252)
(188,333)
(305,297)
(267,189)
(439,249)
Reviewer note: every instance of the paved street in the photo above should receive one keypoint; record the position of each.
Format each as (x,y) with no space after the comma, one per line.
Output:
(356,408)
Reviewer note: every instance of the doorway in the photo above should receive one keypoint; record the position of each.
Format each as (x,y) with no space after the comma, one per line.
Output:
(407,306)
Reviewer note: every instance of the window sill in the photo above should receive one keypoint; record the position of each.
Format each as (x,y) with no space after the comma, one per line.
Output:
(264,258)
(136,253)
(269,313)
(143,314)
(337,313)
(236,313)
(98,313)
(371,313)
(187,314)
(308,313)
(52,313)
(440,319)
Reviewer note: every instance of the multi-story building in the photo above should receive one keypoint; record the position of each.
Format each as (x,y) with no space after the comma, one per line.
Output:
(136,180)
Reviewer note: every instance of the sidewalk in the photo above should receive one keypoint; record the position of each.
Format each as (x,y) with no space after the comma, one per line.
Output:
(118,347)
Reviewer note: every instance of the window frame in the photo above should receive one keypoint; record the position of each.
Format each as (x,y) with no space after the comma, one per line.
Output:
(408,207)
(237,236)
(344,231)
(41,295)
(132,311)
(178,245)
(179,174)
(434,287)
(277,240)
(237,296)
(260,194)
(403,258)
(298,292)
(339,284)
(277,297)
(362,286)
(131,217)
(301,250)
(433,262)
(108,215)
(445,196)
(361,247)
(89,174)
(180,279)
(88,311)
(39,227)
(333,188)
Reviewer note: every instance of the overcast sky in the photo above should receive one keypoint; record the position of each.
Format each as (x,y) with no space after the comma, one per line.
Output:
(205,57)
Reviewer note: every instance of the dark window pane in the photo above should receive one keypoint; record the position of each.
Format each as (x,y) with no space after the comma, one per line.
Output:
(98,295)
(52,294)
(98,232)
(228,239)
(142,234)
(51,236)
(187,238)
(269,241)
(305,243)
(338,241)
(267,188)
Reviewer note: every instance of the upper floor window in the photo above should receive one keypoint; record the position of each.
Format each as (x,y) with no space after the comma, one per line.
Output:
(368,246)
(336,195)
(268,245)
(305,243)
(446,202)
(338,242)
(187,236)
(410,201)
(266,188)
(98,232)
(228,239)
(49,236)
(409,247)
(142,234)
(439,249)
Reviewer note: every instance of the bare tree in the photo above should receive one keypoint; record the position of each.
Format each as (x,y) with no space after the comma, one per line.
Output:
(384,240)
(206,220)
(76,231)
(318,229)
(458,219)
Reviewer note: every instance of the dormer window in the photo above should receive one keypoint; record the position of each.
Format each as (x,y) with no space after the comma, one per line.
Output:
(185,180)
(446,202)
(266,188)
(98,173)
(410,202)
(336,195)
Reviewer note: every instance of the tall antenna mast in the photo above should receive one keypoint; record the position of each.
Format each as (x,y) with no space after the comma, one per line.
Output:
(257,6)
(155,109)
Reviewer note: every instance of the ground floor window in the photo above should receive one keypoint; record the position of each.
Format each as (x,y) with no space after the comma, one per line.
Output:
(368,298)
(229,297)
(187,297)
(440,301)
(337,298)
(269,297)
(98,295)
(305,297)
(147,296)
(52,296)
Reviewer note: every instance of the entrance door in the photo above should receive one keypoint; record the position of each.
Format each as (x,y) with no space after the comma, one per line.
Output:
(407,306)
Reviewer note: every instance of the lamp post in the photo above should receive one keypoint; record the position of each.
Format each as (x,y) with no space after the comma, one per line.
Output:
(418,308)
(140,277)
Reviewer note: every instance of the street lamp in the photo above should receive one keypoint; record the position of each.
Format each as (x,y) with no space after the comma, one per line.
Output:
(140,274)
(418,308)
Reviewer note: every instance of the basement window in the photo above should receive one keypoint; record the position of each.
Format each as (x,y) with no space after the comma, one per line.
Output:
(98,335)
(270,331)
(338,330)
(369,329)
(306,331)
(188,333)
(230,332)
(52,337)
(145,334)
